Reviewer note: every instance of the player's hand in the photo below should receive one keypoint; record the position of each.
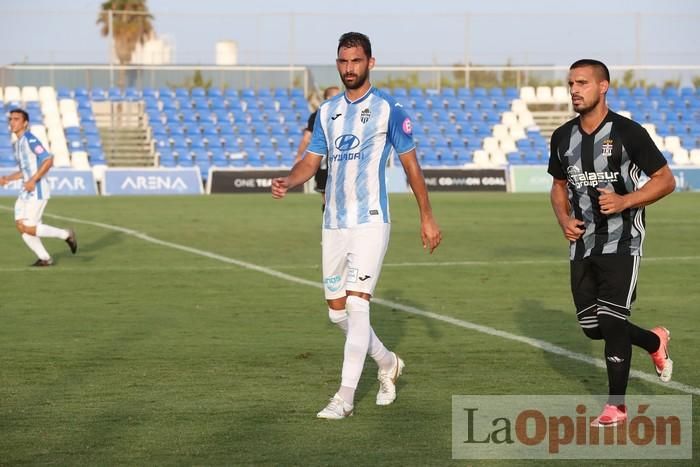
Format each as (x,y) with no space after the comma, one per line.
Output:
(610,202)
(4,181)
(279,187)
(573,229)
(29,185)
(430,234)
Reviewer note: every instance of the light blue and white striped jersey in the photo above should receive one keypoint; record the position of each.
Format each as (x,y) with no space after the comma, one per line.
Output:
(30,154)
(358,138)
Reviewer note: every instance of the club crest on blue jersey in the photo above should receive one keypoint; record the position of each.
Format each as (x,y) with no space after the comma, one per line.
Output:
(365,115)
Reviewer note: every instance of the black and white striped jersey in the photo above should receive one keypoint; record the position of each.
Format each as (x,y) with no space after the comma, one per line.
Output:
(612,157)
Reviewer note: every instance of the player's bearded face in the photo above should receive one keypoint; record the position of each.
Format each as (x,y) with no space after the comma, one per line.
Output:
(353,67)
(585,89)
(355,79)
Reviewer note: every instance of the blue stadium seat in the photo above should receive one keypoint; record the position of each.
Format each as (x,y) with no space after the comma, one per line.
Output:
(281,92)
(182,93)
(296,92)
(64,93)
(215,94)
(165,92)
(198,92)
(247,92)
(150,92)
(230,93)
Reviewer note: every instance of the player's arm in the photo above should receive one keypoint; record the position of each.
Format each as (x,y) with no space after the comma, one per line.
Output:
(30,184)
(659,185)
(559,196)
(5,179)
(430,232)
(301,172)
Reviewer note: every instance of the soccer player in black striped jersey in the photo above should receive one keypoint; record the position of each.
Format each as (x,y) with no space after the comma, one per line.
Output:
(596,160)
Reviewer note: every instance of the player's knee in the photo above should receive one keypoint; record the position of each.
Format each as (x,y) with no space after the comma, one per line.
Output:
(21,228)
(593,333)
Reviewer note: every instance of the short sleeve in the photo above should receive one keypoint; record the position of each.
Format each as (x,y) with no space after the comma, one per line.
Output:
(318,144)
(644,152)
(555,169)
(400,131)
(38,149)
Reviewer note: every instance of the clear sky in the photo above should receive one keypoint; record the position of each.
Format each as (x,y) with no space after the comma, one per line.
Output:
(406,32)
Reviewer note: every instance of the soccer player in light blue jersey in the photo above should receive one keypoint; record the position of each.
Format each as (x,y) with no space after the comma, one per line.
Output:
(34,163)
(357,131)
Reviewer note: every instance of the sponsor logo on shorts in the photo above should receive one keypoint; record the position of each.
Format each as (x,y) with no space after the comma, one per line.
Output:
(352,274)
(373,212)
(332,283)
(365,277)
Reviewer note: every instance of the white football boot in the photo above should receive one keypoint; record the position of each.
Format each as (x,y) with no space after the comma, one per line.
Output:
(387,382)
(336,409)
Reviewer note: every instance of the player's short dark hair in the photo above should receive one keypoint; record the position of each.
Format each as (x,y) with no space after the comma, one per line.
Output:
(24,113)
(598,66)
(355,39)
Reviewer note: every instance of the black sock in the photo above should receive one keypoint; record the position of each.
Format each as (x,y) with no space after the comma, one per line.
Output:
(618,355)
(323,207)
(644,338)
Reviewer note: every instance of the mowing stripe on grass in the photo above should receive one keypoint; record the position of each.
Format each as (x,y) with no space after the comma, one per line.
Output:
(536,343)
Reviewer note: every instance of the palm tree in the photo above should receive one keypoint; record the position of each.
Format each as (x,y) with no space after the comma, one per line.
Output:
(131,24)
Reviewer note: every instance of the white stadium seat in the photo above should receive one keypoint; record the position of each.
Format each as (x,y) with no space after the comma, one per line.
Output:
(12,94)
(79,160)
(490,144)
(672,143)
(509,119)
(526,120)
(518,106)
(30,94)
(527,94)
(67,106)
(680,157)
(507,146)
(498,158)
(481,158)
(544,95)
(517,133)
(47,93)
(695,156)
(500,131)
(560,95)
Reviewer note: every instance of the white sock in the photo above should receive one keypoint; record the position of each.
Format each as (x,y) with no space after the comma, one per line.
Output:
(356,344)
(376,350)
(43,230)
(34,244)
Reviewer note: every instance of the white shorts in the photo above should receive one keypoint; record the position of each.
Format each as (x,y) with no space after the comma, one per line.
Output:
(30,211)
(352,258)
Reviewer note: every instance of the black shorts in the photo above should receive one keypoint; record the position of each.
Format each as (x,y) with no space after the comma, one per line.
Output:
(320,179)
(604,284)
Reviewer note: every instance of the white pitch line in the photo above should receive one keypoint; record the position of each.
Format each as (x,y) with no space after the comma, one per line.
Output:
(536,343)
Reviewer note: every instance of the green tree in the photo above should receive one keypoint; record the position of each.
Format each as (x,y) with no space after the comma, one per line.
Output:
(131,24)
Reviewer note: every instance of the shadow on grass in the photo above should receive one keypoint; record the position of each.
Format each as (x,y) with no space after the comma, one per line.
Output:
(536,321)
(87,250)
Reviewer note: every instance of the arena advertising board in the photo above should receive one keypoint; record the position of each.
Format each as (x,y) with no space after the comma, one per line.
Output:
(144,181)
(62,182)
(465,179)
(244,181)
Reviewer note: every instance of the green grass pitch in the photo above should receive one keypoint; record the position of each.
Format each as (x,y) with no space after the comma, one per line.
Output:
(141,353)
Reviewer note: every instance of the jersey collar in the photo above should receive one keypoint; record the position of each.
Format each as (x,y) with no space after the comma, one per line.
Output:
(357,101)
